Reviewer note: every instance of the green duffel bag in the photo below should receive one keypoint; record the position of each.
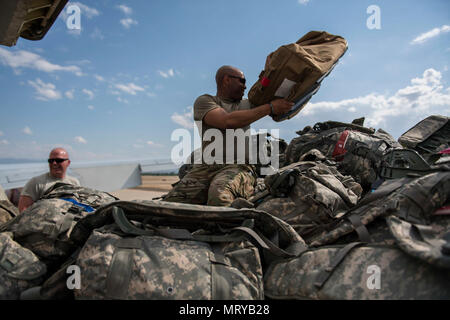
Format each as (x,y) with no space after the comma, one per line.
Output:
(163,250)
(356,271)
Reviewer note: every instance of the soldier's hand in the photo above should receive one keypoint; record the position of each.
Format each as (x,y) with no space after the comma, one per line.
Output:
(281,106)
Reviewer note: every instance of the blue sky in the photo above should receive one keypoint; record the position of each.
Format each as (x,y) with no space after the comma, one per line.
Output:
(119,87)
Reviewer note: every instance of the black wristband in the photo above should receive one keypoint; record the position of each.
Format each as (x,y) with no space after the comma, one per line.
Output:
(271,109)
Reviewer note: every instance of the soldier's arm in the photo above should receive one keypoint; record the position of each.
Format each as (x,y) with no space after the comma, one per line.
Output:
(24,202)
(219,118)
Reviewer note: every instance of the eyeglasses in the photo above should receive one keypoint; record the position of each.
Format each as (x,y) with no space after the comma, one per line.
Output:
(57,160)
(242,80)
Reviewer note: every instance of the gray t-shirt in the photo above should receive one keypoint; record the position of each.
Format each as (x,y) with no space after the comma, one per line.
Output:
(206,103)
(36,186)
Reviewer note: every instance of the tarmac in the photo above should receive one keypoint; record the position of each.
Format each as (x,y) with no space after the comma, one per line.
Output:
(151,187)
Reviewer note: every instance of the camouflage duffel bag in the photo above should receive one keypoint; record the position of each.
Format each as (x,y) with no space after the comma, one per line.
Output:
(310,194)
(358,150)
(163,250)
(356,271)
(7,211)
(45,226)
(407,212)
(20,269)
(403,229)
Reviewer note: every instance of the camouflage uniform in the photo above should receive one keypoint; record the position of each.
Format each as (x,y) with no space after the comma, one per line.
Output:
(214,185)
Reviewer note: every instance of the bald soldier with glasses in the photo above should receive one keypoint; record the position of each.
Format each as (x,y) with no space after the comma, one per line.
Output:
(219,184)
(58,162)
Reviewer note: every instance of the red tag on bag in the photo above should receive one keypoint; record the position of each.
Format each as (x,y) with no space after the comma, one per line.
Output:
(265,82)
(339,148)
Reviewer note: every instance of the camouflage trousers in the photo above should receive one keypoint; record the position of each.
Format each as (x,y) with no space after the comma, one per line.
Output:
(214,185)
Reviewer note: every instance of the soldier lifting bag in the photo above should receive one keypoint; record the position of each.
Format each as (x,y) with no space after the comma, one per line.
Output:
(295,71)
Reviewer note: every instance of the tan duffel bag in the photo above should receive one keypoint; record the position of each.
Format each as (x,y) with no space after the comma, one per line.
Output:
(295,70)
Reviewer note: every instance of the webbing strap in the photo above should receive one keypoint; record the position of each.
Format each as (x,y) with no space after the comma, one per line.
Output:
(360,228)
(126,226)
(269,245)
(325,274)
(120,270)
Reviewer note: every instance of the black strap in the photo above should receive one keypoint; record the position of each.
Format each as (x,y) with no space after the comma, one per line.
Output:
(268,245)
(121,268)
(360,228)
(325,274)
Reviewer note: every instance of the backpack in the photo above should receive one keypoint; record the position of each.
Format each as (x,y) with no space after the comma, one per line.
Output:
(358,150)
(296,70)
(428,137)
(45,226)
(400,232)
(20,269)
(162,250)
(309,194)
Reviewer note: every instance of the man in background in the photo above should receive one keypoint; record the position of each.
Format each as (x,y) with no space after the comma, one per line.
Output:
(58,162)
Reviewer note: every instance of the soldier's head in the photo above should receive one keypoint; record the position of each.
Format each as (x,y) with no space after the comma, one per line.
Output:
(230,83)
(58,162)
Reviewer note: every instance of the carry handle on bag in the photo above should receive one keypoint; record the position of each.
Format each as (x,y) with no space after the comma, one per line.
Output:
(236,234)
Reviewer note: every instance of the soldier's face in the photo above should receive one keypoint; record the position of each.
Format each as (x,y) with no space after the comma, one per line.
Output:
(58,162)
(236,85)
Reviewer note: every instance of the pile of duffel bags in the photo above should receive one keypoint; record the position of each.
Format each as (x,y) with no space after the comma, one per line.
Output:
(325,226)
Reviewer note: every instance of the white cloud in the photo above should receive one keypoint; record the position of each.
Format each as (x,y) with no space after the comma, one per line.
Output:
(166,74)
(185,120)
(86,11)
(304,2)
(4,142)
(97,34)
(89,93)
(45,91)
(69,94)
(425,96)
(122,100)
(26,59)
(98,77)
(153,144)
(91,107)
(130,88)
(1,133)
(430,34)
(80,139)
(27,130)
(128,22)
(125,9)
